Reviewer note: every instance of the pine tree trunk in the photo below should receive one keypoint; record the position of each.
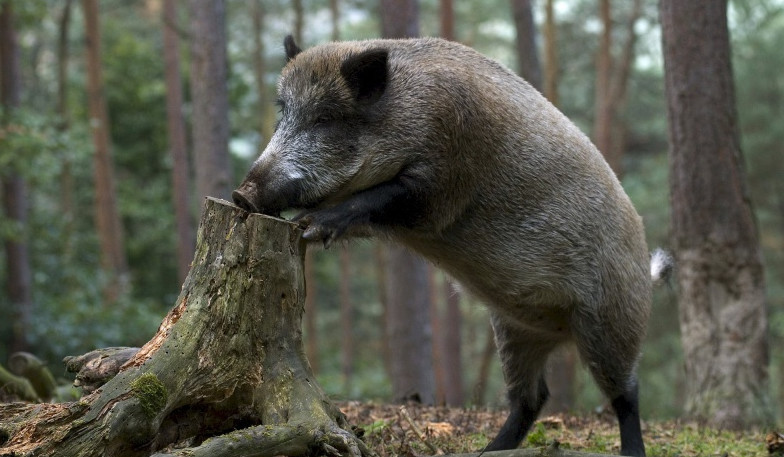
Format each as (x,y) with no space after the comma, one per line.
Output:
(210,99)
(723,314)
(178,147)
(527,54)
(227,364)
(14,190)
(551,67)
(110,231)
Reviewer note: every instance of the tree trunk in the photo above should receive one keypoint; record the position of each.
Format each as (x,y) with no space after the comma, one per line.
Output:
(723,315)
(110,231)
(266,113)
(334,9)
(14,190)
(178,147)
(209,94)
(346,321)
(227,364)
(483,374)
(611,80)
(551,67)
(603,111)
(67,203)
(527,56)
(408,326)
(311,311)
(400,18)
(447,10)
(451,344)
(299,21)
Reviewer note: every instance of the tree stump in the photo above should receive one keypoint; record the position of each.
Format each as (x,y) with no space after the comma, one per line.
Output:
(225,375)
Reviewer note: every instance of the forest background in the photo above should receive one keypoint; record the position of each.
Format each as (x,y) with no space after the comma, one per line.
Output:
(78,301)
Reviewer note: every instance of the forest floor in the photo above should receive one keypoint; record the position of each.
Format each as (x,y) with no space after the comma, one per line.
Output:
(415,430)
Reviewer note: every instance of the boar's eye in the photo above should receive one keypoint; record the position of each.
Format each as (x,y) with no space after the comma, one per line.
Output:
(323,119)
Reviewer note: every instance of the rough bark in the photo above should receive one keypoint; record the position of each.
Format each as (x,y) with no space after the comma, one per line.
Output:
(14,190)
(225,375)
(210,99)
(299,21)
(723,314)
(527,55)
(107,216)
(178,147)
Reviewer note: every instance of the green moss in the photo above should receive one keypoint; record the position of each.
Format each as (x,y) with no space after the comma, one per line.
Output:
(537,436)
(151,393)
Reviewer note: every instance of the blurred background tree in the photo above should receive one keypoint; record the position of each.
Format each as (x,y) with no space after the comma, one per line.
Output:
(46,142)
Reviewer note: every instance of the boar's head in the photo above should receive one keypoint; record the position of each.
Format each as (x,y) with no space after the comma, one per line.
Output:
(325,146)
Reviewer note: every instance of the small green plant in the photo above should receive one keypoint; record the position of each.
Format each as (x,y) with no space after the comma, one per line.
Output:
(537,436)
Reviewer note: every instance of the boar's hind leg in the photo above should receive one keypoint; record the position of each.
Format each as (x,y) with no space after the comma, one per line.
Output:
(523,358)
(611,354)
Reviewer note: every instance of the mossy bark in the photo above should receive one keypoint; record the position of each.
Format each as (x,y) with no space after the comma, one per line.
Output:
(225,375)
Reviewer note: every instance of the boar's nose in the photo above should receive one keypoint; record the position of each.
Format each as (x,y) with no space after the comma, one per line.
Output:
(241,200)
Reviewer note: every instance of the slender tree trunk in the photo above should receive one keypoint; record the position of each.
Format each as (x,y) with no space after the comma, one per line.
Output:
(447,19)
(14,189)
(178,147)
(299,21)
(551,67)
(611,81)
(400,18)
(407,291)
(67,205)
(603,113)
(439,370)
(451,346)
(380,253)
(210,119)
(334,9)
(483,375)
(266,113)
(110,231)
(408,326)
(346,321)
(723,314)
(311,312)
(527,56)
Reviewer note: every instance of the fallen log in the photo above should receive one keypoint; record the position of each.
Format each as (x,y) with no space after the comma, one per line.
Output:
(225,375)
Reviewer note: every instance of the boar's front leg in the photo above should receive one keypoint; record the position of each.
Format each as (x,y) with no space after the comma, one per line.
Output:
(395,203)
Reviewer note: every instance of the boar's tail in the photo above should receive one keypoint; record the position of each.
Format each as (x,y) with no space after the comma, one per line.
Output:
(662,265)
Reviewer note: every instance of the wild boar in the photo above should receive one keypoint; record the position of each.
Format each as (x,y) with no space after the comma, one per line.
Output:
(437,147)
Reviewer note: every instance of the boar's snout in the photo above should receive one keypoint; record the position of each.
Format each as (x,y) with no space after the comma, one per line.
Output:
(241,199)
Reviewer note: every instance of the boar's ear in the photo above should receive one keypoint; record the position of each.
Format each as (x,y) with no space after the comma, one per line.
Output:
(291,47)
(366,74)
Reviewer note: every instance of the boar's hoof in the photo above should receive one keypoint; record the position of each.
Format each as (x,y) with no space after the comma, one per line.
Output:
(325,226)
(243,202)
